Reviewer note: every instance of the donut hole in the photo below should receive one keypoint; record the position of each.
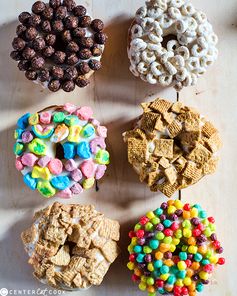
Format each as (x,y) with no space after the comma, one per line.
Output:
(168,38)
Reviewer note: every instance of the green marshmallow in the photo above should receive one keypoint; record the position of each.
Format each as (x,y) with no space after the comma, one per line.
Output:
(58,117)
(18,148)
(46,189)
(102,157)
(37,147)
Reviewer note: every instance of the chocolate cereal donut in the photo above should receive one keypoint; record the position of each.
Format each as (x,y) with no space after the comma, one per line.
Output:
(172,146)
(61,150)
(71,247)
(174,250)
(58,45)
(171,43)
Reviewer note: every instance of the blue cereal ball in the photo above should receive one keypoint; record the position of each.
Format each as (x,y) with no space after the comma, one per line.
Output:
(29,181)
(69,150)
(83,150)
(60,182)
(23,121)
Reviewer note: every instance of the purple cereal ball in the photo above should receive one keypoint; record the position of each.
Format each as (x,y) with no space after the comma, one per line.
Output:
(147,273)
(205,282)
(141,241)
(148,258)
(160,227)
(168,255)
(179,212)
(164,205)
(220,250)
(162,217)
(213,237)
(195,221)
(190,256)
(173,217)
(195,277)
(141,265)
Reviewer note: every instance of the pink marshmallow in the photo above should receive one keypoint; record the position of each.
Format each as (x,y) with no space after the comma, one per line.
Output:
(18,164)
(55,166)
(45,117)
(100,171)
(27,137)
(66,193)
(29,159)
(95,122)
(84,113)
(97,142)
(70,165)
(87,168)
(76,175)
(76,188)
(43,161)
(102,131)
(70,108)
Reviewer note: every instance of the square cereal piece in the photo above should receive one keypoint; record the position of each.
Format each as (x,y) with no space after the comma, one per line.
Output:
(190,139)
(62,258)
(80,237)
(168,189)
(148,121)
(214,142)
(192,122)
(177,107)
(208,129)
(164,147)
(180,164)
(110,250)
(171,174)
(146,107)
(199,154)
(164,162)
(175,128)
(77,263)
(55,234)
(77,281)
(160,105)
(177,152)
(152,178)
(98,242)
(192,172)
(29,235)
(97,276)
(68,276)
(110,229)
(210,166)
(137,150)
(159,125)
(168,117)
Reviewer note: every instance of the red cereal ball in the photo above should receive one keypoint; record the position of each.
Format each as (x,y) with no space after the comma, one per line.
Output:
(174,226)
(144,220)
(159,283)
(201,226)
(132,257)
(135,278)
(168,232)
(140,233)
(131,234)
(211,219)
(221,261)
(184,291)
(196,232)
(188,262)
(208,268)
(216,244)
(177,289)
(187,207)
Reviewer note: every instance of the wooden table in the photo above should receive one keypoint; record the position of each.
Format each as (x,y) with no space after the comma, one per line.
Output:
(115,95)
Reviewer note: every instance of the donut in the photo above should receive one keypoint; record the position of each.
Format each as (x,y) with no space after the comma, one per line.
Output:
(174,250)
(71,247)
(171,43)
(58,45)
(60,150)
(172,146)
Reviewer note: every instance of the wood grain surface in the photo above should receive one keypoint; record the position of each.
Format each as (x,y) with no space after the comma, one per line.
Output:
(115,94)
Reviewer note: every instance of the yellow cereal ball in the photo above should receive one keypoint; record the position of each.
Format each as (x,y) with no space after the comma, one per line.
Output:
(187,281)
(171,210)
(134,241)
(192,249)
(179,283)
(175,241)
(178,204)
(142,286)
(203,275)
(172,248)
(202,250)
(164,276)
(181,265)
(150,267)
(143,278)
(194,212)
(130,265)
(187,233)
(213,259)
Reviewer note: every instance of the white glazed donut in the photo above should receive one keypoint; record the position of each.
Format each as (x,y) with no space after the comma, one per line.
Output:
(176,61)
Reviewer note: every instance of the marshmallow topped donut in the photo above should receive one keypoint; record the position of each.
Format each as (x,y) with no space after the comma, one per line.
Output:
(174,250)
(71,247)
(171,43)
(61,150)
(58,45)
(172,146)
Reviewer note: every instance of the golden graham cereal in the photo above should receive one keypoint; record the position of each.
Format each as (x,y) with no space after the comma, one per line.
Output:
(172,252)
(172,146)
(61,150)
(71,247)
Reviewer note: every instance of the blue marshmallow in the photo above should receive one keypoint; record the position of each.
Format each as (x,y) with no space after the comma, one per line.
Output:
(23,121)
(69,150)
(83,150)
(29,181)
(60,182)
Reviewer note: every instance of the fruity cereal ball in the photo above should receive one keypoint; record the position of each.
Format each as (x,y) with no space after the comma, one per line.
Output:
(61,150)
(174,250)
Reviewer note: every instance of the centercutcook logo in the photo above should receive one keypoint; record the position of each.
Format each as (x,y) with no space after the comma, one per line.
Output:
(5,292)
